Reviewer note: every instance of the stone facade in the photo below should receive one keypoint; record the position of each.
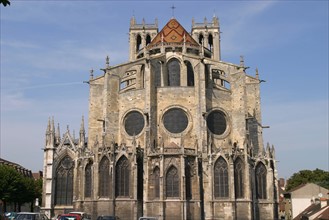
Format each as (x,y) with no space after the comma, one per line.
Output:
(175,133)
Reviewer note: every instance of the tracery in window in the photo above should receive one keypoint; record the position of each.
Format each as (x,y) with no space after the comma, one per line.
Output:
(104,177)
(173,72)
(122,177)
(172,182)
(261,182)
(88,179)
(64,182)
(238,178)
(221,179)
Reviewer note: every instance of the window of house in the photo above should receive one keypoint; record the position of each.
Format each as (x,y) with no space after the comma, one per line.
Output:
(64,182)
(221,179)
(104,177)
(122,177)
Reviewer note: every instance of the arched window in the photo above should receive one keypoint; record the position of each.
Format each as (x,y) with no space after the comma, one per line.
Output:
(188,181)
(210,42)
(122,173)
(138,43)
(238,178)
(172,182)
(104,177)
(156,182)
(200,39)
(88,175)
(221,179)
(261,181)
(148,39)
(64,182)
(190,74)
(156,65)
(173,72)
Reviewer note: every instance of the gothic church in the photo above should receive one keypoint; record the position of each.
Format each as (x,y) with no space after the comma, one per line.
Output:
(174,133)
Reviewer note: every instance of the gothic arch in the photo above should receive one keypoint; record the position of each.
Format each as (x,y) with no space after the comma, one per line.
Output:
(172,182)
(201,38)
(261,183)
(148,39)
(64,181)
(210,42)
(104,177)
(221,187)
(155,182)
(88,180)
(173,68)
(138,42)
(239,178)
(190,73)
(122,174)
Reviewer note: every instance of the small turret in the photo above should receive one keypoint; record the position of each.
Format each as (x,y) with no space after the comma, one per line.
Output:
(82,137)
(57,136)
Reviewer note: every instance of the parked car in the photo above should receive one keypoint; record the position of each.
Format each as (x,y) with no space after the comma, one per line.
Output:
(84,215)
(31,216)
(10,215)
(69,217)
(106,217)
(147,218)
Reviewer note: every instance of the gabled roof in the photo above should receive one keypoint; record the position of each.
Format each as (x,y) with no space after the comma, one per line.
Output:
(173,32)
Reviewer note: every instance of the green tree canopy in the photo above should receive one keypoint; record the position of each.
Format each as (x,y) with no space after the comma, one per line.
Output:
(316,176)
(16,188)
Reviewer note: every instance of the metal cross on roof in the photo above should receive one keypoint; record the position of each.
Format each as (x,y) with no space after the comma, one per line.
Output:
(173,10)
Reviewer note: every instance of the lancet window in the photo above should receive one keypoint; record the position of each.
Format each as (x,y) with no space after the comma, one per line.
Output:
(104,177)
(221,179)
(261,182)
(172,182)
(64,182)
(173,72)
(238,178)
(88,179)
(122,177)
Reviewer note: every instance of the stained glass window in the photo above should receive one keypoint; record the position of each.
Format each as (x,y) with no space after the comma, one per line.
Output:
(122,177)
(173,72)
(64,182)
(238,178)
(88,179)
(104,177)
(261,181)
(172,182)
(221,179)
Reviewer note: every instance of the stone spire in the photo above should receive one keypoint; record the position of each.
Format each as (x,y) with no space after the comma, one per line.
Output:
(82,137)
(57,135)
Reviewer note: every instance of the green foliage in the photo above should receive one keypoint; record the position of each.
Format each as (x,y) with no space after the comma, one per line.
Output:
(5,2)
(317,176)
(16,188)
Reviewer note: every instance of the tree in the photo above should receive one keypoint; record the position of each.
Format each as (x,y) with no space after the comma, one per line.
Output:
(5,2)
(18,189)
(316,176)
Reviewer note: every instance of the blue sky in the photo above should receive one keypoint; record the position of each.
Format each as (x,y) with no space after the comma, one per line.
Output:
(48,48)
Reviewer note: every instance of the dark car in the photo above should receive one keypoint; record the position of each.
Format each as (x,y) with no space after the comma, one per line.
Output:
(106,217)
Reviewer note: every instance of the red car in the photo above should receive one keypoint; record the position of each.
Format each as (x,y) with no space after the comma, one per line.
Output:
(69,217)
